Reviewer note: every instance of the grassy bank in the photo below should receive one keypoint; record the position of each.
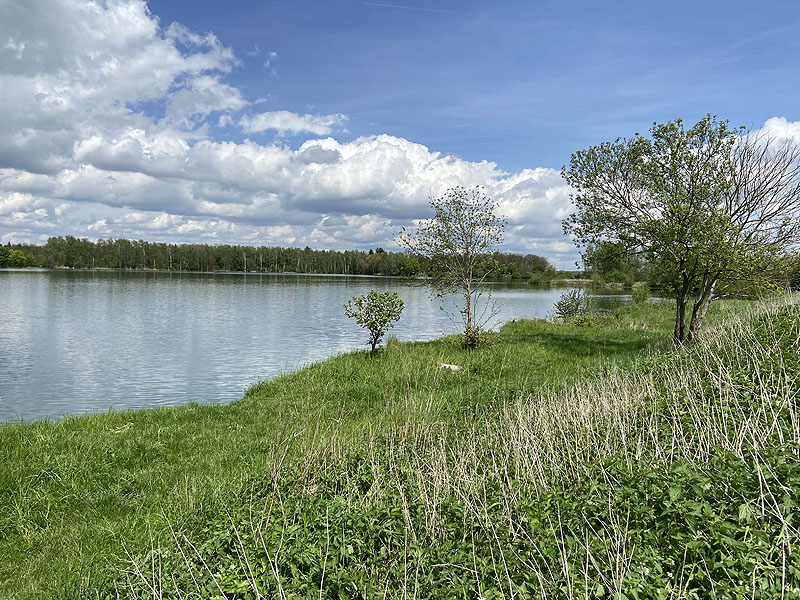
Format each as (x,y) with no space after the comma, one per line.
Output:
(562,461)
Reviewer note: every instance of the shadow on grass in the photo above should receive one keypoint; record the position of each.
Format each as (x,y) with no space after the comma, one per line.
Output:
(574,344)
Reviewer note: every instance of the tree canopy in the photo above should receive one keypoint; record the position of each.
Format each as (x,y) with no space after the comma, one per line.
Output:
(713,208)
(612,263)
(81,253)
(458,242)
(376,312)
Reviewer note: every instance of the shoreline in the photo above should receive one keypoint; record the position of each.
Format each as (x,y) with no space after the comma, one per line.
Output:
(345,442)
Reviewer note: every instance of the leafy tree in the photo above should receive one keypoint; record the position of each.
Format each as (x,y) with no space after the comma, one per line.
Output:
(794,272)
(11,257)
(407,267)
(713,209)
(457,240)
(612,263)
(376,312)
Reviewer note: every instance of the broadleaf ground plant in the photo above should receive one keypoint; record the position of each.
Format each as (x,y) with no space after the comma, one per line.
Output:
(375,311)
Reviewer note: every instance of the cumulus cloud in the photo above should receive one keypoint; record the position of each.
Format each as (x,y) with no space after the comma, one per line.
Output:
(285,122)
(202,96)
(781,130)
(105,133)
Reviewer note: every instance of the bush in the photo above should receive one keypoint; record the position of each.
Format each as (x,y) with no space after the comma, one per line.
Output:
(640,294)
(570,304)
(375,311)
(475,337)
(576,307)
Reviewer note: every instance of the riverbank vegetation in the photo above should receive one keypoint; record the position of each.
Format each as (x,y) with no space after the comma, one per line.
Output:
(70,252)
(562,462)
(604,265)
(714,210)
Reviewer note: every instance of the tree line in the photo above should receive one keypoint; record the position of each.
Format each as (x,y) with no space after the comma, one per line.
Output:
(80,253)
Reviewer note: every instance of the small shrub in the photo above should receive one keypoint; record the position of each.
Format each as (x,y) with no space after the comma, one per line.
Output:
(570,304)
(475,337)
(640,294)
(582,320)
(576,307)
(375,311)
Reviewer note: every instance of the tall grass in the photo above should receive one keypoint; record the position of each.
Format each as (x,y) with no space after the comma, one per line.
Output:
(76,493)
(677,477)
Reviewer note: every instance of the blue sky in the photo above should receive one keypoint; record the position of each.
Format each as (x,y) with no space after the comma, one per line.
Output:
(330,123)
(520,83)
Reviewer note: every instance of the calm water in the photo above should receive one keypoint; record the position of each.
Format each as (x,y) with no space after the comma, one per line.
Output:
(83,342)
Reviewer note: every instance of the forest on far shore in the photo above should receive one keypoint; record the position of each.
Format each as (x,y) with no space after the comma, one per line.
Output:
(70,252)
(604,264)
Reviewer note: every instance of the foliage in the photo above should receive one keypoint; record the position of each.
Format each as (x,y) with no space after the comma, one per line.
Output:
(572,303)
(80,253)
(475,337)
(376,312)
(640,294)
(612,263)
(14,258)
(711,210)
(675,529)
(458,242)
(542,277)
(793,274)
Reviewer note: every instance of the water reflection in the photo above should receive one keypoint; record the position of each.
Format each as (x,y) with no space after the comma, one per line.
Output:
(82,342)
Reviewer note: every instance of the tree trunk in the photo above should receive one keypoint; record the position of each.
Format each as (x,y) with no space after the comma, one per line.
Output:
(373,340)
(700,309)
(468,308)
(679,335)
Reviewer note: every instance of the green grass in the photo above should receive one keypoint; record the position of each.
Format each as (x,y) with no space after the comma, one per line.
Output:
(399,455)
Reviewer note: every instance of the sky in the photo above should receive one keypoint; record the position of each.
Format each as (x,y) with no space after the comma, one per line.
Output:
(332,123)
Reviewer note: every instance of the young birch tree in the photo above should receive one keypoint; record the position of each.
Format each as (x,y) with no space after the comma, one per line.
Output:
(713,208)
(462,234)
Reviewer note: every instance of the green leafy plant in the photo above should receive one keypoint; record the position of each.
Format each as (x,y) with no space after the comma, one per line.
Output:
(571,304)
(474,337)
(375,311)
(640,294)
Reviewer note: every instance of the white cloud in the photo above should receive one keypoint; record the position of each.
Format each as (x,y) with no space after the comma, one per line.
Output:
(99,227)
(202,96)
(285,122)
(105,132)
(781,130)
(16,202)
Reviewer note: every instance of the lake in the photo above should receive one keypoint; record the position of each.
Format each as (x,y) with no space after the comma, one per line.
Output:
(76,342)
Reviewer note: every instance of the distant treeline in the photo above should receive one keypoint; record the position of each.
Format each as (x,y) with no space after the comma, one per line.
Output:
(71,252)
(604,264)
